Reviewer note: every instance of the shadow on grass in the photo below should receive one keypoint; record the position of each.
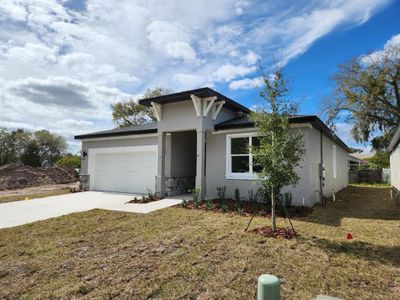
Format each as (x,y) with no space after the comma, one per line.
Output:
(357,203)
(382,254)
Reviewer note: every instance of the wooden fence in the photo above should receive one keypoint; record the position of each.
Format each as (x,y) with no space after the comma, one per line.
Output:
(365,176)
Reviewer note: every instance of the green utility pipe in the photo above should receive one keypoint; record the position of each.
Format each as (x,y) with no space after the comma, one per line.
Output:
(268,288)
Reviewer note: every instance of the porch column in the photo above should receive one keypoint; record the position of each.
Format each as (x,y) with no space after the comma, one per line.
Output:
(200,163)
(160,179)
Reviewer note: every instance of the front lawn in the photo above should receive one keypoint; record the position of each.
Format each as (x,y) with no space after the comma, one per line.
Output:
(178,253)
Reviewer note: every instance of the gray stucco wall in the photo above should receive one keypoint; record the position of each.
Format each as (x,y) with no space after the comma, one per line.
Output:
(109,143)
(395,167)
(308,186)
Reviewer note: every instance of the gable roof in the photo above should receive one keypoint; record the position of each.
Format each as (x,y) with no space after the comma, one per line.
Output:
(245,122)
(235,123)
(394,141)
(202,93)
(133,130)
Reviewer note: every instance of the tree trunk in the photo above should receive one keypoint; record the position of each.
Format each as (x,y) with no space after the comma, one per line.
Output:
(397,94)
(273,218)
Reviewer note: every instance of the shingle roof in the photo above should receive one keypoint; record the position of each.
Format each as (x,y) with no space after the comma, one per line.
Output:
(201,92)
(245,122)
(134,130)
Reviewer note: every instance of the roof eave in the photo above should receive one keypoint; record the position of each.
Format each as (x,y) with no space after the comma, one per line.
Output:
(114,134)
(313,120)
(185,96)
(394,141)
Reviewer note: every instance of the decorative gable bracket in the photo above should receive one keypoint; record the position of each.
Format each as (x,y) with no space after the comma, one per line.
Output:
(216,108)
(207,104)
(197,104)
(157,110)
(203,106)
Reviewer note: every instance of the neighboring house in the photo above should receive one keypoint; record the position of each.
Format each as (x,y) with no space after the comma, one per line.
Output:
(355,161)
(394,150)
(197,142)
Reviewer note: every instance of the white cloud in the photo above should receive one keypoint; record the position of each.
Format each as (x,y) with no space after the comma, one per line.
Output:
(241,5)
(378,55)
(251,58)
(171,38)
(59,64)
(246,83)
(228,72)
(300,26)
(10,10)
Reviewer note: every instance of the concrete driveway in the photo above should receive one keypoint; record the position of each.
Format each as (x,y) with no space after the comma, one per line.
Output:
(23,212)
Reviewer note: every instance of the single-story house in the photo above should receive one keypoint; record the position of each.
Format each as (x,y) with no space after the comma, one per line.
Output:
(355,160)
(394,151)
(196,142)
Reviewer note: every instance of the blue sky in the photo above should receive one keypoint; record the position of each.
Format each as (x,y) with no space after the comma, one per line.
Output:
(63,63)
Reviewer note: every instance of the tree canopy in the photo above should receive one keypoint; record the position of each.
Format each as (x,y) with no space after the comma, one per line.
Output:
(367,96)
(128,113)
(69,160)
(35,148)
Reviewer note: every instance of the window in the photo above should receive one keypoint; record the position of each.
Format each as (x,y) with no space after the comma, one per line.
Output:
(334,161)
(239,160)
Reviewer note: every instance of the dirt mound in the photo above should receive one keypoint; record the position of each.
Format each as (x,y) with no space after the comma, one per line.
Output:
(18,176)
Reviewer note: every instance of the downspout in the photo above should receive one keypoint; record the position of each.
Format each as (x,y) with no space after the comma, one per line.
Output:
(321,171)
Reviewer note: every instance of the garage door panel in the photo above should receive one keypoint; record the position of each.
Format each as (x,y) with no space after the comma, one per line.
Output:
(131,172)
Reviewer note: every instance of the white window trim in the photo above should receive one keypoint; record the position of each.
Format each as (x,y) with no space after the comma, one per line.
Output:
(241,176)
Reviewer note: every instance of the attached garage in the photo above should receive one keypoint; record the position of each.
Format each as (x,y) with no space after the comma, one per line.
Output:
(123,169)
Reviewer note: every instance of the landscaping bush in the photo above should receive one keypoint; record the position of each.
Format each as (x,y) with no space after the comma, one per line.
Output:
(238,203)
(72,161)
(221,190)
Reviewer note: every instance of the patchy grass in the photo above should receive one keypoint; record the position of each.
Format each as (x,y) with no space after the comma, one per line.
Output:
(10,198)
(191,254)
(371,185)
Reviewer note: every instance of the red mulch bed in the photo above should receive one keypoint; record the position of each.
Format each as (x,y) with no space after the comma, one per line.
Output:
(286,233)
(248,208)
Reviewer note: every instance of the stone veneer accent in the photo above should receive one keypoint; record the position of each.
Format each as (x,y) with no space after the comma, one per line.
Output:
(178,185)
(84,180)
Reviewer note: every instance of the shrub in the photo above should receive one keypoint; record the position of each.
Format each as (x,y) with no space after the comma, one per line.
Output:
(224,207)
(195,195)
(73,161)
(209,204)
(238,203)
(150,194)
(221,194)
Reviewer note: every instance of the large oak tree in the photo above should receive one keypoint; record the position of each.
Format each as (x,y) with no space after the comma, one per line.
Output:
(128,113)
(367,95)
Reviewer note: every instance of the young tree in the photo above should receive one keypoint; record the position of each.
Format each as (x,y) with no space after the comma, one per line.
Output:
(367,95)
(281,147)
(130,113)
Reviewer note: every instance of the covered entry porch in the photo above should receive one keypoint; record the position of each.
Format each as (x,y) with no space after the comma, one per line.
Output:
(181,162)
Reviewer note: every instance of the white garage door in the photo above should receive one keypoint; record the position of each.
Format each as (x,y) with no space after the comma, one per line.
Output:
(130,170)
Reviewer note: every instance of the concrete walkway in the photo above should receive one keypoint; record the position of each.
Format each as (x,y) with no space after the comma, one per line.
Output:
(23,212)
